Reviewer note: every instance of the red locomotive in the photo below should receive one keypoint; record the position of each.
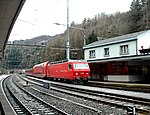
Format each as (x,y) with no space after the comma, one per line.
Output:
(74,70)
(77,71)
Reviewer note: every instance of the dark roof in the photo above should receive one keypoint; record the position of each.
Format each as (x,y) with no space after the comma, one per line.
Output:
(117,39)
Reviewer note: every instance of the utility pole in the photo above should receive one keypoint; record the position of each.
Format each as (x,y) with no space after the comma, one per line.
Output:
(68,45)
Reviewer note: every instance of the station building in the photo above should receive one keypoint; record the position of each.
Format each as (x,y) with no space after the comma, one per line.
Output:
(123,59)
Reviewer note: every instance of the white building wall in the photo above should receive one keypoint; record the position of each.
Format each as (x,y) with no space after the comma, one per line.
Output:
(144,41)
(114,50)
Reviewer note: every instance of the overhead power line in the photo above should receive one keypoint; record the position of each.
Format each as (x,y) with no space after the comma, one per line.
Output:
(25,21)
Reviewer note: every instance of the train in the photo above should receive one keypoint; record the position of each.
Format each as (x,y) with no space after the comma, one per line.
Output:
(76,71)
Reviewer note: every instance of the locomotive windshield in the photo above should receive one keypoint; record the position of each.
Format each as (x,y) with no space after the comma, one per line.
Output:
(81,66)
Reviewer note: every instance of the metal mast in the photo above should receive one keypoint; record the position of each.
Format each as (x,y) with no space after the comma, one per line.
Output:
(68,45)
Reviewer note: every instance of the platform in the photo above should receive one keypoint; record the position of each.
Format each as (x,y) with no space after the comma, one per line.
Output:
(5,106)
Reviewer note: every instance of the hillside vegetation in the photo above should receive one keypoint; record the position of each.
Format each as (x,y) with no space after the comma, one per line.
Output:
(101,26)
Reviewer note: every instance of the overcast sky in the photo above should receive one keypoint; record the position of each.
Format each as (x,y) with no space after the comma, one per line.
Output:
(38,16)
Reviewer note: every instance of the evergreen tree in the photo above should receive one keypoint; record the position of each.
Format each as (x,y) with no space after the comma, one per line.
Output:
(91,38)
(146,13)
(136,16)
(84,23)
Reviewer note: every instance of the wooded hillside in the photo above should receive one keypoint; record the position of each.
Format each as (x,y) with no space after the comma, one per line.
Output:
(101,26)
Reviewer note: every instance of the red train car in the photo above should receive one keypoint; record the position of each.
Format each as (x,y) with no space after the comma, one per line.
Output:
(40,70)
(29,72)
(74,70)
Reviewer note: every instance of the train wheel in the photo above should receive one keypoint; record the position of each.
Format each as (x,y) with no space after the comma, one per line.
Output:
(85,82)
(78,81)
(74,82)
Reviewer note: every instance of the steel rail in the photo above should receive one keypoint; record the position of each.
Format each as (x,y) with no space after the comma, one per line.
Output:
(106,95)
(118,99)
(30,98)
(78,104)
(17,105)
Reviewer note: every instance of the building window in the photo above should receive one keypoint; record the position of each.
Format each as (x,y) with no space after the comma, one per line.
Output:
(106,51)
(124,49)
(92,53)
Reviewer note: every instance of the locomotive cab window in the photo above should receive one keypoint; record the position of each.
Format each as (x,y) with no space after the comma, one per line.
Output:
(69,66)
(81,66)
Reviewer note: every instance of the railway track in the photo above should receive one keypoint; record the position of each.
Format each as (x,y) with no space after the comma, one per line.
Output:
(69,106)
(142,106)
(95,99)
(88,106)
(25,103)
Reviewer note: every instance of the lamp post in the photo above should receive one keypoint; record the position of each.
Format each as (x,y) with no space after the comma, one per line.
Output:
(67,34)
(67,44)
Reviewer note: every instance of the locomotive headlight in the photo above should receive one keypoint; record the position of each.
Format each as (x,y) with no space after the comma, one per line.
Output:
(87,73)
(76,73)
